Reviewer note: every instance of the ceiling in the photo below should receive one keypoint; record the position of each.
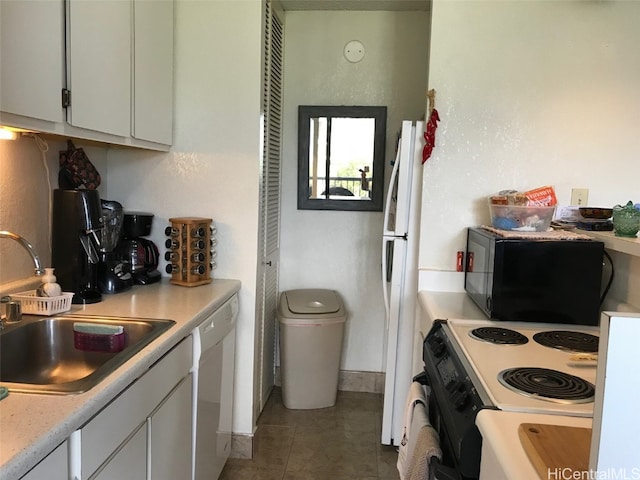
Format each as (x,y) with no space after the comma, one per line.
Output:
(393,5)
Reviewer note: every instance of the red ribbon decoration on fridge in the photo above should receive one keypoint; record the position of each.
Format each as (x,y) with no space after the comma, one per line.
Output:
(430,135)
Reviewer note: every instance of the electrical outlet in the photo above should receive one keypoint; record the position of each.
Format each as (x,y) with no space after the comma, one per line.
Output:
(580,196)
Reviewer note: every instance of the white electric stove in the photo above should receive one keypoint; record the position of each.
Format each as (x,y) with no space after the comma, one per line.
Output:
(503,367)
(545,377)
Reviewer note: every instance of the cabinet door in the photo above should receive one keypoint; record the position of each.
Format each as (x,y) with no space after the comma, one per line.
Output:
(53,467)
(99,65)
(130,461)
(153,71)
(170,434)
(105,432)
(32,56)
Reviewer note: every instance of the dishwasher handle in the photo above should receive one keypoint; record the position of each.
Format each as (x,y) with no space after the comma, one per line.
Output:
(216,327)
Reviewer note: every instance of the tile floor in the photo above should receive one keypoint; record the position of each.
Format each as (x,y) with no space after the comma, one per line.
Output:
(336,443)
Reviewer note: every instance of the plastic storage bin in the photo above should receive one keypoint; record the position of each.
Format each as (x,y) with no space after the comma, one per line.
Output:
(311,333)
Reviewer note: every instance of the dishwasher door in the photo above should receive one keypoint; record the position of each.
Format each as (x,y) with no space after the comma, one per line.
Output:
(214,349)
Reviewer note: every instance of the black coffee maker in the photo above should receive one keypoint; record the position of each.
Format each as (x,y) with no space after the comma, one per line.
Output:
(75,244)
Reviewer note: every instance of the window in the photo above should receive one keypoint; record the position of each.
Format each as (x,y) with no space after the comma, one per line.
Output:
(341,157)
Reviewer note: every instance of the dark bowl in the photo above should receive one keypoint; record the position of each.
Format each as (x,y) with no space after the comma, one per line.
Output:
(137,224)
(592,212)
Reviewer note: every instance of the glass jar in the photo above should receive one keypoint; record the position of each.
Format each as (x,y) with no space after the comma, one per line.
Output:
(626,220)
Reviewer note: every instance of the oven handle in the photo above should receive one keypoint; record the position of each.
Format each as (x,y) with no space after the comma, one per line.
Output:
(438,471)
(421,378)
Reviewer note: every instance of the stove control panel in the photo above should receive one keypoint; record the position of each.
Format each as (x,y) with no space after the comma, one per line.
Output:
(459,394)
(449,375)
(454,402)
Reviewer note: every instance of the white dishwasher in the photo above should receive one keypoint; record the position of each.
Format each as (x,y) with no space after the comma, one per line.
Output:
(213,371)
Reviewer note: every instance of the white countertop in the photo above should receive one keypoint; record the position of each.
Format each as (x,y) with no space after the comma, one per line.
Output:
(500,434)
(32,425)
(442,306)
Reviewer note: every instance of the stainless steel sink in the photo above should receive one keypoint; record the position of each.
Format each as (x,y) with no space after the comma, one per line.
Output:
(38,355)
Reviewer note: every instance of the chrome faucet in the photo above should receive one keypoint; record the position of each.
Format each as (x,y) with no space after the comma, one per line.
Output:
(27,246)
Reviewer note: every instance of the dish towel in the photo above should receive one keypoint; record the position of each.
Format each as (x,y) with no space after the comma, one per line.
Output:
(424,444)
(415,396)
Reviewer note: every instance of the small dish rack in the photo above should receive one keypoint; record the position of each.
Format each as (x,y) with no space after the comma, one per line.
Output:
(32,304)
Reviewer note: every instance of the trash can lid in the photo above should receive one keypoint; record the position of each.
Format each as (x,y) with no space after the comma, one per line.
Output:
(313,301)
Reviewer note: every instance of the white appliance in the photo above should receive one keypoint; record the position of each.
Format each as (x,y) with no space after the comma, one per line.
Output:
(213,369)
(488,360)
(614,442)
(401,230)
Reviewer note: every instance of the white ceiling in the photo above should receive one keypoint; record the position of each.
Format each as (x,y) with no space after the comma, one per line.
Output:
(356,4)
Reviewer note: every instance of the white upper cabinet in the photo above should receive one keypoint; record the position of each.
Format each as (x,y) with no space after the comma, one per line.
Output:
(32,54)
(112,58)
(99,65)
(153,71)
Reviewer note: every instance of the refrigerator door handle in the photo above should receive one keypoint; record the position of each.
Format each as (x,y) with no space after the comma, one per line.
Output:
(385,280)
(387,207)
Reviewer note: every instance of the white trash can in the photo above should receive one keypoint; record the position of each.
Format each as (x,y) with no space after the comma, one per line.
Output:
(311,332)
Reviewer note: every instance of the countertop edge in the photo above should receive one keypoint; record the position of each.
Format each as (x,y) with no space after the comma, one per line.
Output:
(502,428)
(29,450)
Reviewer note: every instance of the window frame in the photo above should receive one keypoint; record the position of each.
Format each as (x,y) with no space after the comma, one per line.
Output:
(305,114)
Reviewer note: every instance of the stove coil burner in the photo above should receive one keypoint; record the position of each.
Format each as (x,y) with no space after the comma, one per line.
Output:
(566,340)
(500,336)
(546,384)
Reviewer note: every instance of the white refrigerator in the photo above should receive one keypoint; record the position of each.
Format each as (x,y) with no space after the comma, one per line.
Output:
(400,242)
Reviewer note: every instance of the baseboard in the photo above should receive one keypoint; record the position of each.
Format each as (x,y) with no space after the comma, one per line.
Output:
(241,446)
(353,381)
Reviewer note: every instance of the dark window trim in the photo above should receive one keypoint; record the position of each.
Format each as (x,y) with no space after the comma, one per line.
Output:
(305,113)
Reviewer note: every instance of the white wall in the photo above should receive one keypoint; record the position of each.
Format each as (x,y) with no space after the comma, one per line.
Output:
(26,176)
(213,168)
(338,249)
(530,94)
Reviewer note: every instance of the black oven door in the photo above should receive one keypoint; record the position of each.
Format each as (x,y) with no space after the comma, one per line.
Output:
(453,406)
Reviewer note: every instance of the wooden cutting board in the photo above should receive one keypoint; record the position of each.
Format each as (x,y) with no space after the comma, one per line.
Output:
(552,448)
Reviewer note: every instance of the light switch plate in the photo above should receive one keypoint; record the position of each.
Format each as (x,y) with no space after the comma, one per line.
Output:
(580,196)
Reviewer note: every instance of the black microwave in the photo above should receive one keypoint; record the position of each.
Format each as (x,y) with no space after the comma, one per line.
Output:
(534,280)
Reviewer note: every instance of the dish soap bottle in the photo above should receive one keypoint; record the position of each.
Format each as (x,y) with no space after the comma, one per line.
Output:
(50,287)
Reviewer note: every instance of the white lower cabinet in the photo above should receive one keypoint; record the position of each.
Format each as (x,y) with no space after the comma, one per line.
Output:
(170,435)
(53,467)
(130,461)
(149,424)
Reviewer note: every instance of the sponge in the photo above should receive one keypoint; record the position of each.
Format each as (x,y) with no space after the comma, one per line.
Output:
(99,338)
(97,329)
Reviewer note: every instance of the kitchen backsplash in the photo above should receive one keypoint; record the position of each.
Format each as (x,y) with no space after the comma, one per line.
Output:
(27,175)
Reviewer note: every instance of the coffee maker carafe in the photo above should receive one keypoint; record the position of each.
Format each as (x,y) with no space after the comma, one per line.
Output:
(76,237)
(140,252)
(114,272)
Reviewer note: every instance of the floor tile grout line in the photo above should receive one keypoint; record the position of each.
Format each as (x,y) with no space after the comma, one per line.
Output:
(286,463)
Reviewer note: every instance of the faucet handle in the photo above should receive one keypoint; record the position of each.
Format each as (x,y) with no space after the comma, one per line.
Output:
(3,300)
(13,310)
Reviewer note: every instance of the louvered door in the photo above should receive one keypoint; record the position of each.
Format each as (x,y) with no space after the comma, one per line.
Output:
(267,291)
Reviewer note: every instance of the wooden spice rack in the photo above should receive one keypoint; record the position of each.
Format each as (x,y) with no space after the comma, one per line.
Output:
(189,250)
